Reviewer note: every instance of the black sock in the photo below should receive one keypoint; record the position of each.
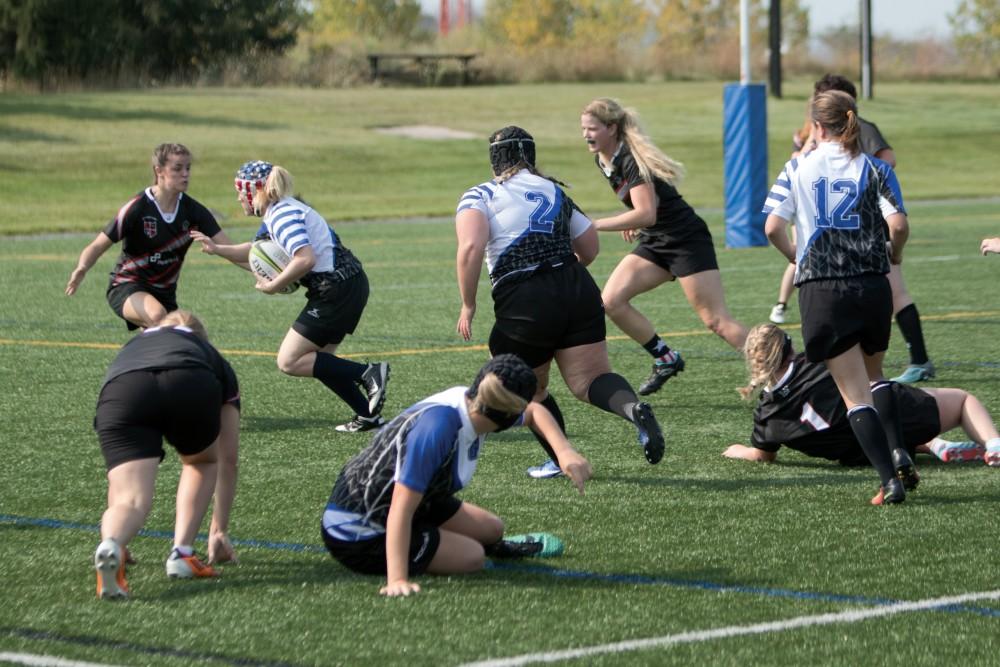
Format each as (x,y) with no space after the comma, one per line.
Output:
(908,320)
(656,347)
(612,393)
(341,377)
(553,407)
(871,436)
(887,406)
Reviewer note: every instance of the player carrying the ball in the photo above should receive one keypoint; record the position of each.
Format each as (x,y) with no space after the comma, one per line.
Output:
(336,289)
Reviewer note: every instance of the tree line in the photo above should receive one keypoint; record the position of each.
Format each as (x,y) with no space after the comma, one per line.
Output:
(175,41)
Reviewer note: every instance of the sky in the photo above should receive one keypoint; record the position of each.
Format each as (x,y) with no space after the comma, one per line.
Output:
(899,18)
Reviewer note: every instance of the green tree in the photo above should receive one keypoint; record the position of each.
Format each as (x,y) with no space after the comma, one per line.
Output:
(84,38)
(336,21)
(533,25)
(688,28)
(976,24)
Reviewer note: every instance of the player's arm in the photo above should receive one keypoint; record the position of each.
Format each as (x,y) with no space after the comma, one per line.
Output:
(473,231)
(402,507)
(587,245)
(238,254)
(220,549)
(899,231)
(303,261)
(745,453)
(577,468)
(887,155)
(642,214)
(774,227)
(990,245)
(88,258)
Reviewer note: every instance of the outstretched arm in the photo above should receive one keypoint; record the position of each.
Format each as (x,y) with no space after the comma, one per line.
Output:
(990,245)
(578,469)
(219,245)
(88,258)
(749,454)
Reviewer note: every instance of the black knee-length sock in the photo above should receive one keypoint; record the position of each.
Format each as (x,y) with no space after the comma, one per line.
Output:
(341,377)
(868,430)
(908,320)
(612,393)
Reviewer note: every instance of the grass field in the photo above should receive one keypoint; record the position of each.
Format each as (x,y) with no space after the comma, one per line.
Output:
(69,161)
(698,560)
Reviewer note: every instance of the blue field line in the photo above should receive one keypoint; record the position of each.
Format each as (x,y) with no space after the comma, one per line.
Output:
(637,579)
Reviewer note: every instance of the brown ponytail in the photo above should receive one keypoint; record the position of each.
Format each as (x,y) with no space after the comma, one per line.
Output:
(837,112)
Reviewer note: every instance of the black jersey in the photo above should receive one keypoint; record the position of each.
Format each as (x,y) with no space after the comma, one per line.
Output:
(161,348)
(154,243)
(674,216)
(805,412)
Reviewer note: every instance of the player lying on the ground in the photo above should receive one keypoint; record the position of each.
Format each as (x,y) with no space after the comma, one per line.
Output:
(801,408)
(393,510)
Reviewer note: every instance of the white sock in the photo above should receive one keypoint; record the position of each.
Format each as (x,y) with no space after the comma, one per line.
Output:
(184,550)
(993,443)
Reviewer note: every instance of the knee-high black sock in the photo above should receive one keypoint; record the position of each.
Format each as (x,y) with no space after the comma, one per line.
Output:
(341,377)
(887,406)
(553,407)
(612,393)
(908,320)
(871,436)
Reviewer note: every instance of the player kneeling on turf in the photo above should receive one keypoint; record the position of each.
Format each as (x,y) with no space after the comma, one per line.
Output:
(393,510)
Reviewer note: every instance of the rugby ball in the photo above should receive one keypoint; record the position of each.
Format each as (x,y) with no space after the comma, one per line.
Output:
(268,259)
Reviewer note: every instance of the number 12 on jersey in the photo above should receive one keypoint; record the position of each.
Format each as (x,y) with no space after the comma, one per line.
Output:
(843,215)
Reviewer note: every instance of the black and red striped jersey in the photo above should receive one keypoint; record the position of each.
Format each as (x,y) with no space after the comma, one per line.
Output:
(153,242)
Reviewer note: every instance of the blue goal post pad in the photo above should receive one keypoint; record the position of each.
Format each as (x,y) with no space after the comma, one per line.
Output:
(745,155)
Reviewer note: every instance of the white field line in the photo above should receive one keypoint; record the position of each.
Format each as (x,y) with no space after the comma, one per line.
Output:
(849,616)
(45,660)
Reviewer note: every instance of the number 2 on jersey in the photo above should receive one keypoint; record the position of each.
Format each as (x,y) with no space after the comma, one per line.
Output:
(540,220)
(843,215)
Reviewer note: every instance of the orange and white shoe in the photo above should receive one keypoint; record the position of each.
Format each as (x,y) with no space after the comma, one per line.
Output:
(109,561)
(188,567)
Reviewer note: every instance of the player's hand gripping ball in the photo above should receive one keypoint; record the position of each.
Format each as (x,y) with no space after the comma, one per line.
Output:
(268,260)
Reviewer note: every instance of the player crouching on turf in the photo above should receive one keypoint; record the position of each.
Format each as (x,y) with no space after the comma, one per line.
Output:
(167,382)
(336,291)
(801,408)
(393,510)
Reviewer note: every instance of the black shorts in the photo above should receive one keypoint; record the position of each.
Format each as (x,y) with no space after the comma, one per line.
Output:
(921,421)
(552,310)
(333,310)
(684,256)
(136,410)
(368,556)
(838,314)
(117,295)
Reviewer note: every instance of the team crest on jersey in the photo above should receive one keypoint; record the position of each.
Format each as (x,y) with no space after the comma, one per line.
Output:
(149,226)
(185,225)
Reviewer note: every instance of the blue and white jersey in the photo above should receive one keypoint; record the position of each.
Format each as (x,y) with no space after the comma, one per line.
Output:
(838,204)
(431,447)
(293,225)
(532,222)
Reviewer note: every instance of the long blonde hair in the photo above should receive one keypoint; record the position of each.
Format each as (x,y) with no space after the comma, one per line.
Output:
(652,162)
(492,394)
(278,185)
(837,112)
(764,350)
